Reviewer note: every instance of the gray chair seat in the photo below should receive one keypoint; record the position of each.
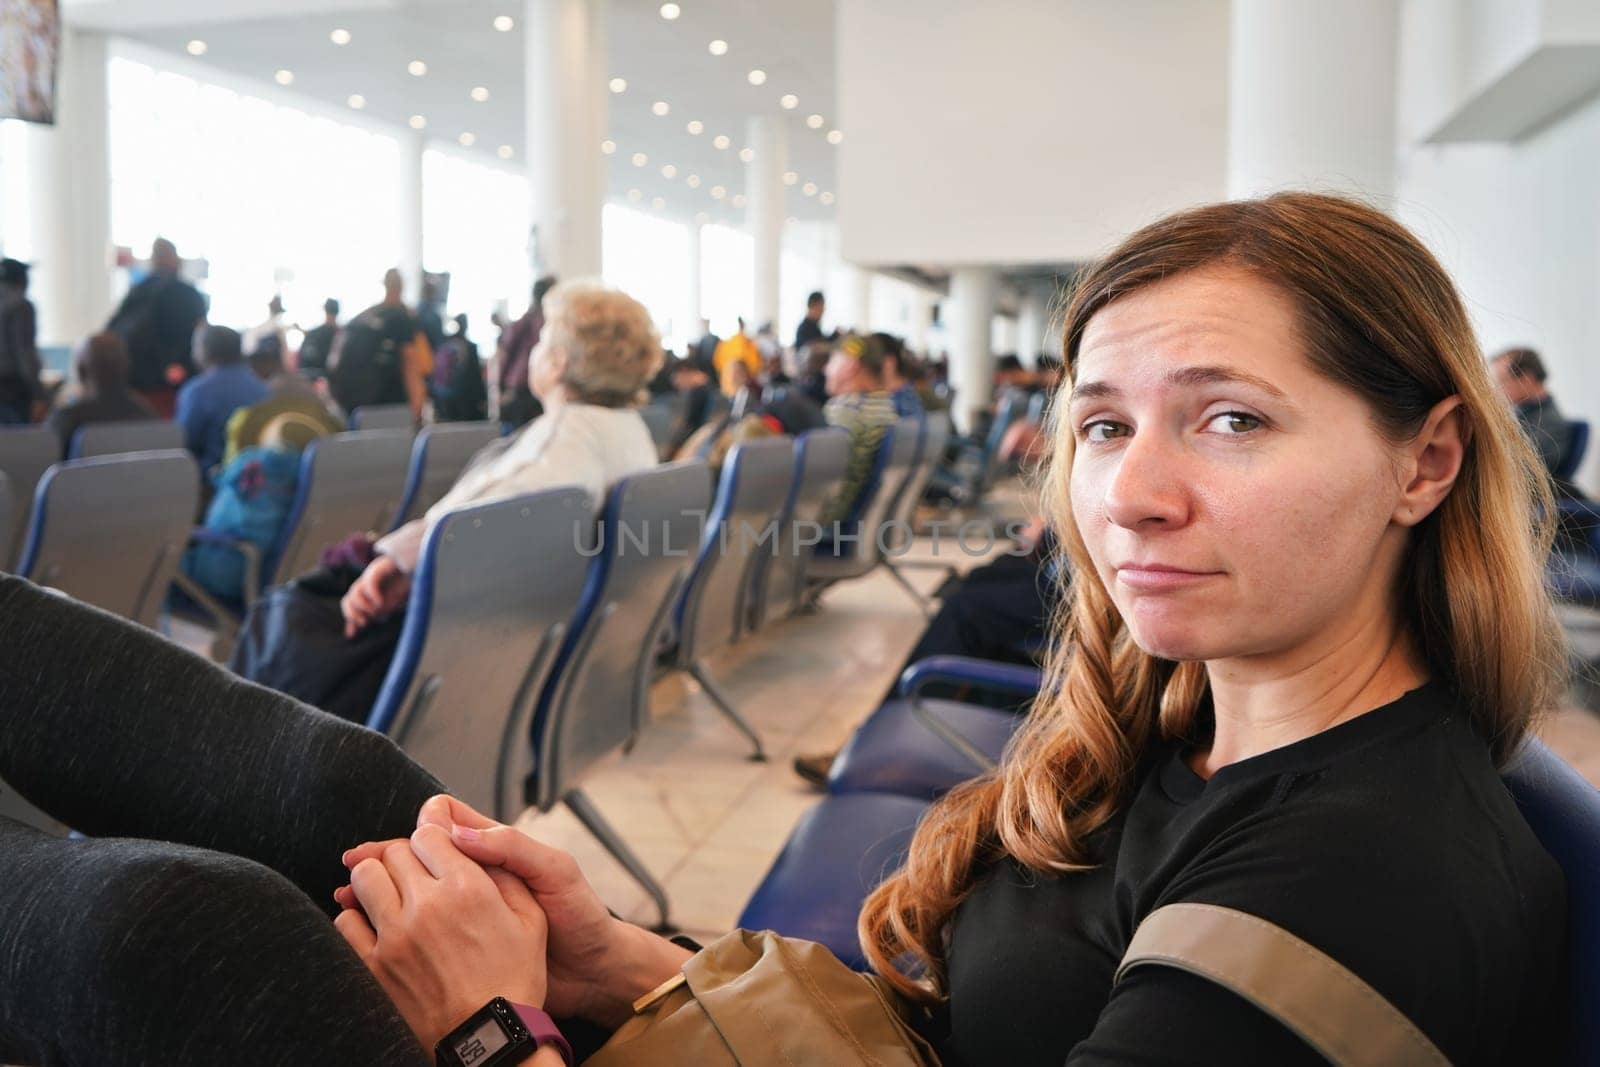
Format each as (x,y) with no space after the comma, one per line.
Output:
(349,483)
(119,438)
(438,456)
(25,454)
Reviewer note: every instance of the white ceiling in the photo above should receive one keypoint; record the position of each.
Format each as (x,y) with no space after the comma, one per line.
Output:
(792,40)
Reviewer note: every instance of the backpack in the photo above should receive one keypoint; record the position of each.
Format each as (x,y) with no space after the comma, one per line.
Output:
(366,365)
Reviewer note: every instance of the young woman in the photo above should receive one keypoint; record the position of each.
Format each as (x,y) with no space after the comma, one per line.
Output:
(1308,624)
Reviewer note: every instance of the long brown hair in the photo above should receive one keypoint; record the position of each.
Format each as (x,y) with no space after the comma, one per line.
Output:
(1377,314)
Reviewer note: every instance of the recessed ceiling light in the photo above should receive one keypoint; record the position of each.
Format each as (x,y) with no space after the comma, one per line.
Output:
(669,171)
(790,177)
(357,101)
(814,121)
(757,77)
(506,151)
(480,94)
(721,142)
(608,147)
(701,217)
(505,23)
(284,77)
(670,11)
(197,48)
(660,108)
(789,101)
(826,198)
(809,188)
(746,155)
(640,159)
(695,127)
(658,203)
(635,195)
(417,68)
(692,181)
(619,85)
(468,140)
(835,136)
(718,192)
(340,37)
(418,122)
(738,200)
(718,47)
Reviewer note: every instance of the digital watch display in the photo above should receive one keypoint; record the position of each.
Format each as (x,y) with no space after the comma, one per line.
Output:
(500,1033)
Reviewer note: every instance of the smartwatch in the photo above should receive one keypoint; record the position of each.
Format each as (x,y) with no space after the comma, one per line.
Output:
(500,1033)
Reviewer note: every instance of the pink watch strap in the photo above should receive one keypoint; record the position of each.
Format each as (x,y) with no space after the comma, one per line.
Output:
(544,1029)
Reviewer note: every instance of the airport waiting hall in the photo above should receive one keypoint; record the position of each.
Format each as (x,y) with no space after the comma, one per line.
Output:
(729,532)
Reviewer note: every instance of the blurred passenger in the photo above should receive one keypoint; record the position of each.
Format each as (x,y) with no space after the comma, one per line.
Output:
(1521,376)
(20,391)
(705,347)
(813,382)
(207,402)
(157,321)
(860,404)
(768,344)
(518,405)
(738,349)
(290,397)
(267,339)
(101,363)
(907,401)
(808,336)
(430,313)
(457,386)
(597,350)
(312,363)
(692,380)
(382,356)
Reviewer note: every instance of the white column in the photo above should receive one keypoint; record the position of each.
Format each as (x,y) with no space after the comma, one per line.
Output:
(694,312)
(412,144)
(1311,101)
(859,308)
(566,121)
(768,138)
(1004,332)
(972,293)
(69,180)
(1031,325)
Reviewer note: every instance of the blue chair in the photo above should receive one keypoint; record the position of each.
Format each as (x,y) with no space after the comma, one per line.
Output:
(777,580)
(861,550)
(596,699)
(118,438)
(1573,458)
(491,599)
(26,452)
(922,748)
(383,417)
(349,483)
(900,533)
(750,494)
(111,531)
(438,456)
(964,480)
(838,853)
(1564,812)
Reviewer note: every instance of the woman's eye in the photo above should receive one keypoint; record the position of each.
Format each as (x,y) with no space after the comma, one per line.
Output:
(1103,430)
(1235,422)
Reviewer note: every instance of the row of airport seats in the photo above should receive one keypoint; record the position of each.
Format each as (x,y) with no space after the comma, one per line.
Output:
(530,617)
(912,750)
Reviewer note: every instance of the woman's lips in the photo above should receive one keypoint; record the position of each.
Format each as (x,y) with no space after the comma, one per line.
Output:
(1156,578)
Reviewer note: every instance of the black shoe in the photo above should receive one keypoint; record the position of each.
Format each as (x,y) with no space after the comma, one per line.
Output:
(814,769)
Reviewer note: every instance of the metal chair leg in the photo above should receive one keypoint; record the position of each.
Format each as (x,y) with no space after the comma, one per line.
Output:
(916,595)
(580,805)
(725,706)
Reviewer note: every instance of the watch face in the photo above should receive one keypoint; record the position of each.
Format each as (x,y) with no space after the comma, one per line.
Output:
(478,1045)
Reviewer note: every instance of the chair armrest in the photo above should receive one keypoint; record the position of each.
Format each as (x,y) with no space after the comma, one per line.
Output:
(251,583)
(969,670)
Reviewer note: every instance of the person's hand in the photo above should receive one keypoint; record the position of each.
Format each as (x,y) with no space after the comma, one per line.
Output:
(443,934)
(597,964)
(381,590)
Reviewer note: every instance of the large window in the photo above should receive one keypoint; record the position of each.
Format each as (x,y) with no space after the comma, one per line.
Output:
(475,227)
(727,290)
(274,200)
(647,257)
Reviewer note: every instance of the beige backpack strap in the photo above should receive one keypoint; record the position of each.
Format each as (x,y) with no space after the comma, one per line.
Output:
(1302,987)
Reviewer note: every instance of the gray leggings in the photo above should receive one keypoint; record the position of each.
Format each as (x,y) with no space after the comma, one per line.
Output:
(192,926)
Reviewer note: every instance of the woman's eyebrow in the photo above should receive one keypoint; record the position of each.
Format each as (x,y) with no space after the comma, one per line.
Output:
(1185,376)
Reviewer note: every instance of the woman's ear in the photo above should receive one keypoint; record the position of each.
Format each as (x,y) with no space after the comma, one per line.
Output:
(1434,460)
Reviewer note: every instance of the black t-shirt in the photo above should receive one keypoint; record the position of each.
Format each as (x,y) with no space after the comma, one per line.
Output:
(1388,842)
(314,351)
(808,332)
(157,320)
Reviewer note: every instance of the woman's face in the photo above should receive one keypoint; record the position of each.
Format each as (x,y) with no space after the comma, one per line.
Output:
(1236,503)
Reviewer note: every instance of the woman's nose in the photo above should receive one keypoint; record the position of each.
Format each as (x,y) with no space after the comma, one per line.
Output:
(1147,486)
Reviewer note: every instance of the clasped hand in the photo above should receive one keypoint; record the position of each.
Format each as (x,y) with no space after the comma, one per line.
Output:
(468,909)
